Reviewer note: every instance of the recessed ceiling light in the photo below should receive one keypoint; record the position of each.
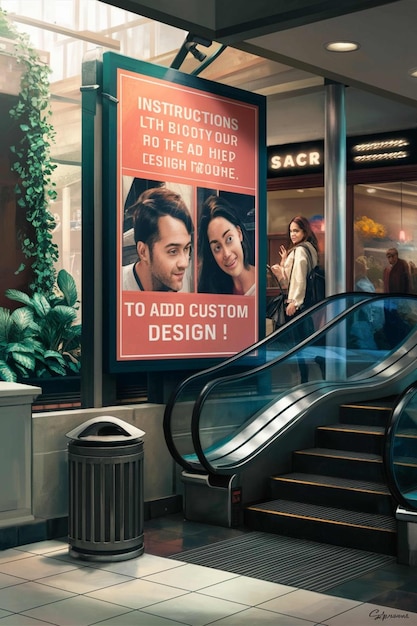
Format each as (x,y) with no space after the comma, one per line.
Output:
(413,72)
(371,190)
(341,46)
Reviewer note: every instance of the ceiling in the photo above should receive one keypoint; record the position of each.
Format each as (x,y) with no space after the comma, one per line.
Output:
(277,49)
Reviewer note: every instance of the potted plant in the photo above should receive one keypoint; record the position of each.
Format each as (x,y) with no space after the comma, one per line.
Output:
(42,337)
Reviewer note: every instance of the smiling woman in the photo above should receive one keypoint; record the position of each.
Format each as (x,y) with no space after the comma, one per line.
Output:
(224,250)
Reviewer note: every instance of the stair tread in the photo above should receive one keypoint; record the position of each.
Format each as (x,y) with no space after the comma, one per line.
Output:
(343,454)
(334,481)
(355,428)
(374,406)
(326,514)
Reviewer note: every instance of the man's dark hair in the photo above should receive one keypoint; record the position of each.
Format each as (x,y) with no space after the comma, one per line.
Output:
(150,206)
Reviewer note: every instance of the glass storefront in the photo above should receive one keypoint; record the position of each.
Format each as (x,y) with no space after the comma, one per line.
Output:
(384,217)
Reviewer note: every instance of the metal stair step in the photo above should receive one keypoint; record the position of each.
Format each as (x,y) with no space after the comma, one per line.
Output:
(341,454)
(334,482)
(364,429)
(377,413)
(317,513)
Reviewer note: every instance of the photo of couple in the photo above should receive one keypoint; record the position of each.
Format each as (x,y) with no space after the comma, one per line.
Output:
(161,231)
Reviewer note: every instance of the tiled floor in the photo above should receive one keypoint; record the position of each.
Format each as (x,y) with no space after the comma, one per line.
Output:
(41,584)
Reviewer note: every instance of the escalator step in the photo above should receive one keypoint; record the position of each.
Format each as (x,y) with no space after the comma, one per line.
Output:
(334,481)
(319,513)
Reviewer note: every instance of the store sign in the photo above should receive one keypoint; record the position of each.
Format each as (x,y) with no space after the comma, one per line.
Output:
(382,150)
(299,158)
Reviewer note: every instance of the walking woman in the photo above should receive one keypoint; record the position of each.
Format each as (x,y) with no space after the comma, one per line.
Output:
(296,261)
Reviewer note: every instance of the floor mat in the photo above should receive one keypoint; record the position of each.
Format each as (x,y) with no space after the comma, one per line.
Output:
(294,562)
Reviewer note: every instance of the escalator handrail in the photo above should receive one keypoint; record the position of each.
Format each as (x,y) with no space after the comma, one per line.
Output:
(218,368)
(208,387)
(390,431)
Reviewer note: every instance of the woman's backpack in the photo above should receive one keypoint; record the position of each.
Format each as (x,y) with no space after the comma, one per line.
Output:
(315,282)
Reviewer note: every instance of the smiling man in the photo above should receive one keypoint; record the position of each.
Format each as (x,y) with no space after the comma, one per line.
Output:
(163,232)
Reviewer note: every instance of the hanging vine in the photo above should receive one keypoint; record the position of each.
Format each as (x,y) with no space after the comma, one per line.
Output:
(32,161)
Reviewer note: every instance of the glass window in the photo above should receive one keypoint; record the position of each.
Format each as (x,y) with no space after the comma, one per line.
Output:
(384,218)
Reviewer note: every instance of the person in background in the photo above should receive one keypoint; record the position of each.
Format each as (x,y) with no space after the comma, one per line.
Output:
(225,255)
(413,277)
(362,282)
(397,279)
(163,231)
(294,265)
(396,274)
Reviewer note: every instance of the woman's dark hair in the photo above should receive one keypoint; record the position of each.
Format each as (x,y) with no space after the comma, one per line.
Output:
(211,278)
(304,224)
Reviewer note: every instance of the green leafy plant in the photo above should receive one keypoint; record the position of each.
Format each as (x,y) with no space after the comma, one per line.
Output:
(32,160)
(41,338)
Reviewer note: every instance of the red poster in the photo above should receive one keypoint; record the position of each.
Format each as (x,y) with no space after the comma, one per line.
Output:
(187,221)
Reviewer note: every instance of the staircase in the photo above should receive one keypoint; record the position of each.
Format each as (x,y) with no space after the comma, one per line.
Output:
(336,492)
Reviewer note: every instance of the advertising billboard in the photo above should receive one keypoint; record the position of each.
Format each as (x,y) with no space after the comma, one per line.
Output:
(184,197)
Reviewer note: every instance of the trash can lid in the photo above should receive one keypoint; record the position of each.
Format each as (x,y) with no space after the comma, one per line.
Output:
(106,429)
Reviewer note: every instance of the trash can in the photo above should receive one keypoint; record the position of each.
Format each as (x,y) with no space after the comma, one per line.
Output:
(105,508)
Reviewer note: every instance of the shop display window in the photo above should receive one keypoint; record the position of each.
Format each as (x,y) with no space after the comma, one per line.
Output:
(383,218)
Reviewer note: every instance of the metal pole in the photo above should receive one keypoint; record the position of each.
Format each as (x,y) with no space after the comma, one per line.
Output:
(91,370)
(335,188)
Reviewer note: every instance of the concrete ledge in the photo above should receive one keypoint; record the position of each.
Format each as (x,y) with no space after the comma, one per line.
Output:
(50,454)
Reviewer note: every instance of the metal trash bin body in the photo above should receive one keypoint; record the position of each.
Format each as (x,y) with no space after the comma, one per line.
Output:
(105,472)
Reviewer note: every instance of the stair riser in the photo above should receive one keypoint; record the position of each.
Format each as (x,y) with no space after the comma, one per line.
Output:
(360,442)
(361,415)
(382,542)
(356,469)
(332,496)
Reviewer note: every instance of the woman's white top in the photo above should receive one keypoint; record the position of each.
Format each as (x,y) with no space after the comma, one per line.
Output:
(296,268)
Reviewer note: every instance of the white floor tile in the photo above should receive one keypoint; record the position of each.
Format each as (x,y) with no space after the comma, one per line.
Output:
(260,617)
(250,591)
(195,609)
(12,555)
(138,618)
(309,605)
(141,566)
(8,581)
(84,580)
(20,620)
(371,613)
(191,577)
(3,613)
(29,595)
(41,581)
(76,611)
(35,567)
(43,547)
(137,594)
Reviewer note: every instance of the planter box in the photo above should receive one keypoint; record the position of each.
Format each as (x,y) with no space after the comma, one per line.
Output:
(16,452)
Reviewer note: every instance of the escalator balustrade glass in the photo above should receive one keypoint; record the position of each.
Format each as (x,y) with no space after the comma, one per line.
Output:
(370,346)
(401,450)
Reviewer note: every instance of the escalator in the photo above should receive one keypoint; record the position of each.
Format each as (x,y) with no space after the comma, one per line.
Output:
(400,461)
(232,425)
